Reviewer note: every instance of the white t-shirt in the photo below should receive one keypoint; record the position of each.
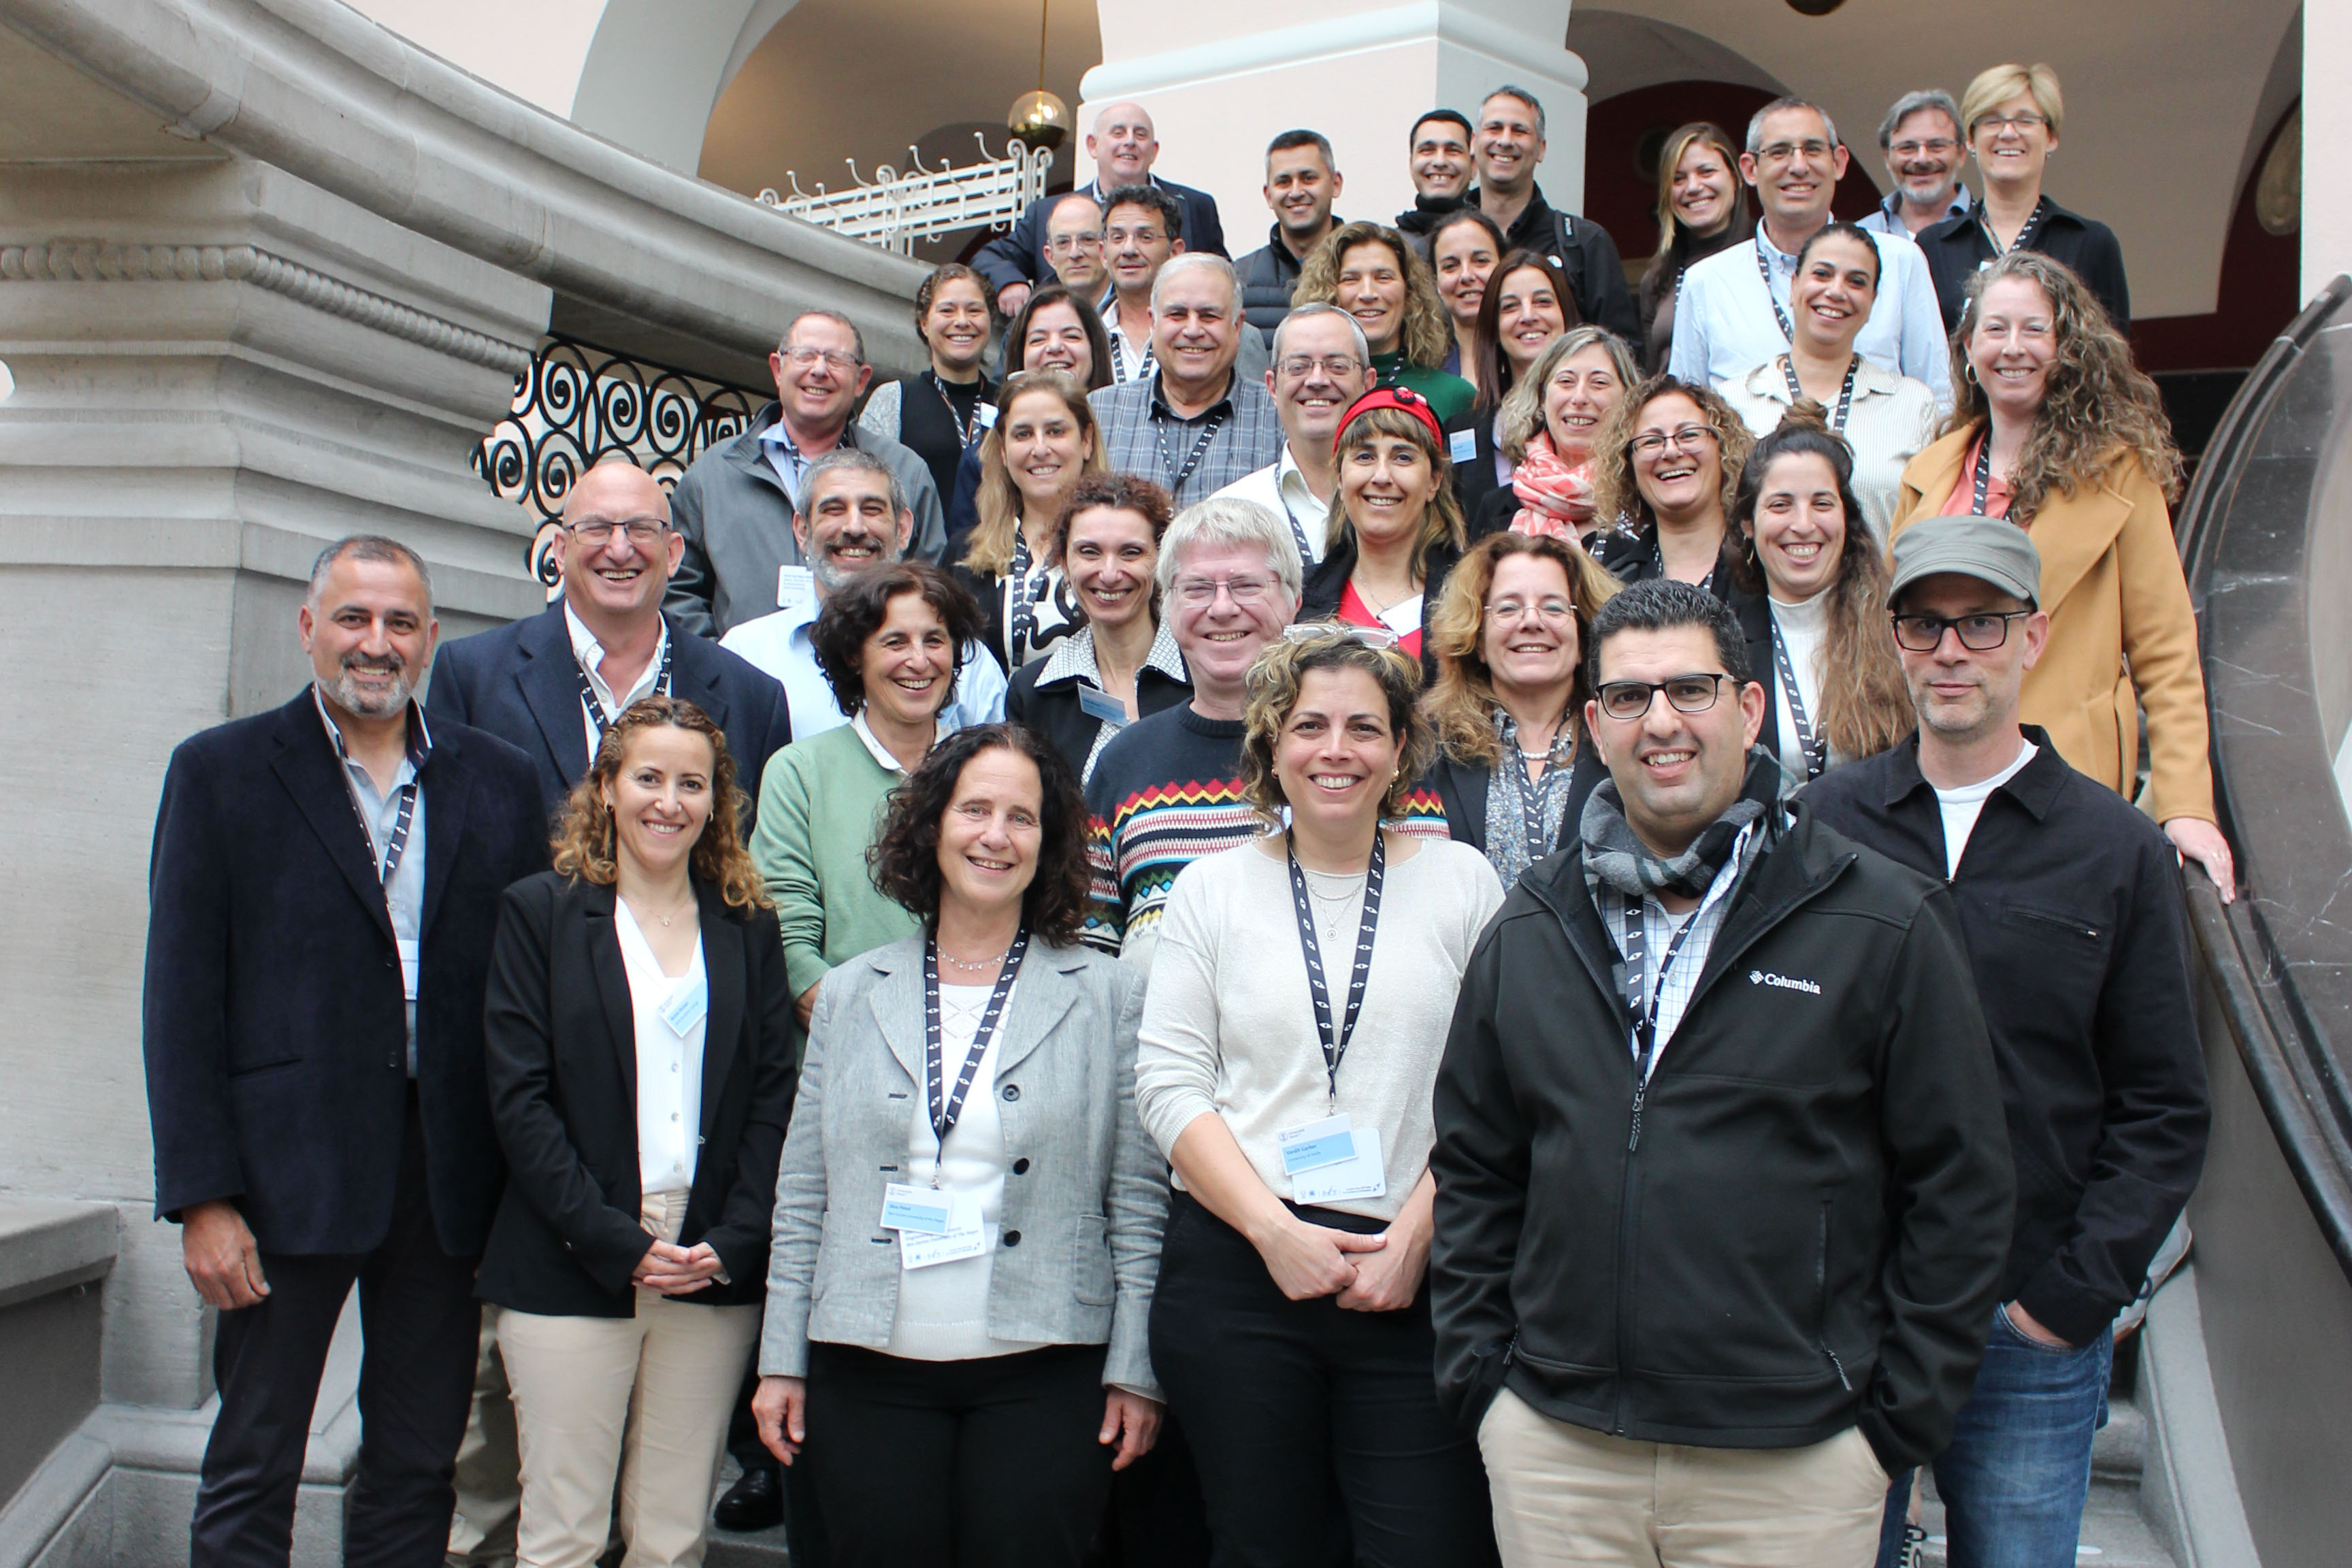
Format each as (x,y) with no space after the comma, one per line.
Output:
(1962,806)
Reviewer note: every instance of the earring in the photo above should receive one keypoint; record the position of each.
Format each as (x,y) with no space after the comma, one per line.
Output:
(1969,370)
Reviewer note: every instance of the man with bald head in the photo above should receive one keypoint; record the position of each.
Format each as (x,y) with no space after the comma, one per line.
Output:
(1124,146)
(553,683)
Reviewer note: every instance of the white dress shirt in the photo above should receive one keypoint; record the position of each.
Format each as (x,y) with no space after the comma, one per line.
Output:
(669,1060)
(1281,488)
(778,644)
(591,655)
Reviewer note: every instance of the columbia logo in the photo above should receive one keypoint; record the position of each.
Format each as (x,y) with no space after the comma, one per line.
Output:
(1785,982)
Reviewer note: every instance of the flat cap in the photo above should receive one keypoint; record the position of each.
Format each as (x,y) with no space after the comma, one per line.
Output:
(1986,548)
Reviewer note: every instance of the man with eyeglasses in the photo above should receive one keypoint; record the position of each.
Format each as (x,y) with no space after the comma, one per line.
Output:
(1301,183)
(1722,1183)
(1920,142)
(1143,231)
(1073,245)
(737,508)
(2070,901)
(1201,418)
(1508,146)
(1735,312)
(1321,365)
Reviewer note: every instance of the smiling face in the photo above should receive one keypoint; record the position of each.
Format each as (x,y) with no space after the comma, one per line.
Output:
(1924,156)
(1464,259)
(1796,171)
(1056,340)
(1834,292)
(1136,246)
(1961,695)
(1510,146)
(1196,328)
(660,797)
(1073,244)
(818,376)
(1372,288)
(1528,315)
(1582,388)
(905,666)
(1681,479)
(1045,449)
(2013,152)
(1800,526)
(1123,146)
(1386,483)
(1316,379)
(1675,772)
(1222,634)
(1109,557)
(1440,159)
(2013,346)
(368,631)
(846,527)
(956,327)
(990,835)
(609,571)
(1529,635)
(1337,753)
(1300,187)
(1703,185)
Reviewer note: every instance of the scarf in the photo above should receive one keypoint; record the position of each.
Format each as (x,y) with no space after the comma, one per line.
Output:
(1614,857)
(1555,499)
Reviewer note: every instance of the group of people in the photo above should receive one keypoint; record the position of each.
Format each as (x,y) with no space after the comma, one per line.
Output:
(1528,929)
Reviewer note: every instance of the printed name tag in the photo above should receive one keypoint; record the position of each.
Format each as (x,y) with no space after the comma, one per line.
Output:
(987,415)
(1361,1177)
(795,585)
(1102,705)
(1462,445)
(965,1236)
(924,1210)
(1316,1144)
(410,954)
(685,1008)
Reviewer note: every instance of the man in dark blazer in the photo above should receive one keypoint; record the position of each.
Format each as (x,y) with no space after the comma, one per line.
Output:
(323,890)
(551,684)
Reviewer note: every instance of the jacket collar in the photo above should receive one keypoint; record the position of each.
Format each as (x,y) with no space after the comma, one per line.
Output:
(1073,660)
(2088,520)
(307,763)
(723,964)
(1043,993)
(2035,786)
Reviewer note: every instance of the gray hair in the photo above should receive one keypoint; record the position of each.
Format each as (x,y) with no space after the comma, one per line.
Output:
(856,338)
(1194,261)
(1779,105)
(850,460)
(1231,523)
(1524,96)
(1302,312)
(1911,103)
(367,547)
(1523,407)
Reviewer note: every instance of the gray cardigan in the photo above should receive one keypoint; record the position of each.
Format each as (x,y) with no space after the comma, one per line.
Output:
(1087,1193)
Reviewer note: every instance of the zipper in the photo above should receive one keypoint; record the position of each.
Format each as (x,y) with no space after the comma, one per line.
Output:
(2063,922)
(1822,1301)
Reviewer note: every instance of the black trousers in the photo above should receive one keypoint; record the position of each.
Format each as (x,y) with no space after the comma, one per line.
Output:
(991,1463)
(422,1329)
(1317,1430)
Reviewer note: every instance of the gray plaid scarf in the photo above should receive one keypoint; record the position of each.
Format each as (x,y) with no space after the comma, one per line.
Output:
(1615,858)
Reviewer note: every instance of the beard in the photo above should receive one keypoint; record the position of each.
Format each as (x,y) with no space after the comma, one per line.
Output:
(832,574)
(353,697)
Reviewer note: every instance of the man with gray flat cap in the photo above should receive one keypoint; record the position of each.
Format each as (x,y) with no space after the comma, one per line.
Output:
(2070,902)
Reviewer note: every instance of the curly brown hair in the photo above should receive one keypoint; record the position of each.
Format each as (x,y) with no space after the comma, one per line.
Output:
(586,847)
(1615,493)
(998,501)
(1274,685)
(904,857)
(1461,703)
(941,276)
(2096,408)
(857,610)
(1428,331)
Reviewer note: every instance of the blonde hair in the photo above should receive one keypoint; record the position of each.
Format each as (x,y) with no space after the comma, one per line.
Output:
(1460,702)
(1523,405)
(1428,331)
(1615,493)
(998,503)
(1274,684)
(1441,520)
(585,843)
(1670,158)
(1996,87)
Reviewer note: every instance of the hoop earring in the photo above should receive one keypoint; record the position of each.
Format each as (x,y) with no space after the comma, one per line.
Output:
(1969,370)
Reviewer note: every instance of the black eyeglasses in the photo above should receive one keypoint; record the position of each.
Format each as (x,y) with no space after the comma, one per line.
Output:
(1629,699)
(1980,633)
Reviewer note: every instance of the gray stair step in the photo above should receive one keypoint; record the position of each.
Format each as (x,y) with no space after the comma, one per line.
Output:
(756,1549)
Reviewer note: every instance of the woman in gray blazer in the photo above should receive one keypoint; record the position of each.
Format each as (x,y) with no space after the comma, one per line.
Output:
(967,1227)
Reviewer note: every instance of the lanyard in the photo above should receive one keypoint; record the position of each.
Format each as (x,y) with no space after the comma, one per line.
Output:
(419,750)
(1119,374)
(1764,270)
(1334,1041)
(1641,995)
(1658,565)
(1816,748)
(963,426)
(1846,392)
(1021,623)
(1176,477)
(400,827)
(945,1109)
(2024,235)
(597,709)
(1534,794)
(1984,472)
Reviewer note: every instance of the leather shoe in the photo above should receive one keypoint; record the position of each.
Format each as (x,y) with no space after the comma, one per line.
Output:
(754,1502)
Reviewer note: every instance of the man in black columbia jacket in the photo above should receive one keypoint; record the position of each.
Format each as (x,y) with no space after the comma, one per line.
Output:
(2070,902)
(1699,1315)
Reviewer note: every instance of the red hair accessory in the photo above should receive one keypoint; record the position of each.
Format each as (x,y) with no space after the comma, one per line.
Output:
(1403,398)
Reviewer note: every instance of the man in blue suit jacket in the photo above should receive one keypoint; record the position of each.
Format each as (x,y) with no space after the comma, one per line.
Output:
(324,892)
(553,683)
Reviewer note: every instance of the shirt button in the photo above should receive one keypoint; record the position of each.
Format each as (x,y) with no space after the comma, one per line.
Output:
(1020,1167)
(1011,1091)
(1012,1238)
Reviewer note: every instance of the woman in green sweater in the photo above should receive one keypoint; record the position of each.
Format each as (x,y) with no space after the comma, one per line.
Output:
(886,640)
(1369,271)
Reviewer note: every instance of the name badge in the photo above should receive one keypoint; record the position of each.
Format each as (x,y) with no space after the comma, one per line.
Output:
(925,1211)
(1316,1144)
(1102,705)
(1461,446)
(685,1008)
(1350,1180)
(987,412)
(795,585)
(965,1236)
(411,955)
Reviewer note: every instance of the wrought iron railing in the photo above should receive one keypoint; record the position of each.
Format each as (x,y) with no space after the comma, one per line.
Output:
(898,209)
(578,401)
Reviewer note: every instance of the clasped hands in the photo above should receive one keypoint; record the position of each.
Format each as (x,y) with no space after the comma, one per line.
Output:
(676,1271)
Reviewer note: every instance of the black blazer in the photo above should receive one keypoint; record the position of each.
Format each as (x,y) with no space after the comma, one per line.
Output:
(1051,708)
(520,682)
(1474,476)
(274,1035)
(562,1049)
(1957,246)
(1327,585)
(1019,257)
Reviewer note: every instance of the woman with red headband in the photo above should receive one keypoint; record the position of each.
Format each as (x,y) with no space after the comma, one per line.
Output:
(1395,527)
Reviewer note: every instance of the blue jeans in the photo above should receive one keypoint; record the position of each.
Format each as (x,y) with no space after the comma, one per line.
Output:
(2015,1478)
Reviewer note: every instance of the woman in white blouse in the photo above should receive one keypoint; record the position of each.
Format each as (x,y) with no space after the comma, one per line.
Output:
(1884,419)
(1812,597)
(1300,998)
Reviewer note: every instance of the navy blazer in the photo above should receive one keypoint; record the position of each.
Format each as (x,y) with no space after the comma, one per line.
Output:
(274,1033)
(521,683)
(1019,257)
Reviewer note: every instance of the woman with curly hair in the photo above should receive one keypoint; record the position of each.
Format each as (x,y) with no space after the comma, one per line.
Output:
(638,1045)
(1665,465)
(2055,429)
(1043,443)
(1301,993)
(1814,604)
(968,1221)
(1367,270)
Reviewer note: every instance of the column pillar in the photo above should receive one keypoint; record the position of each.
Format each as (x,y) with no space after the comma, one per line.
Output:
(2327,129)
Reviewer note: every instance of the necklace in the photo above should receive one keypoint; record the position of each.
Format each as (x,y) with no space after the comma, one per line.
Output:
(977,966)
(1330,907)
(664,920)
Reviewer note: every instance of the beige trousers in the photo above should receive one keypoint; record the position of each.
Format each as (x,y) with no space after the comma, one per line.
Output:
(1564,1495)
(647,1396)
(482,1530)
